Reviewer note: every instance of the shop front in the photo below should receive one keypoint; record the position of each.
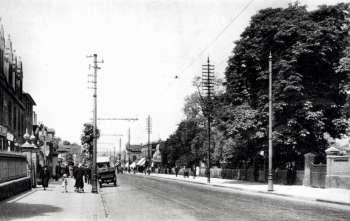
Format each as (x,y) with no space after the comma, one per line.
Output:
(10,143)
(3,140)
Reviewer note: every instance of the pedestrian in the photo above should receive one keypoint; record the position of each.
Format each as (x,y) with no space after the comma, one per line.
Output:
(194,171)
(74,174)
(66,170)
(45,176)
(79,182)
(71,170)
(176,170)
(116,178)
(185,172)
(290,173)
(65,183)
(88,174)
(85,174)
(58,172)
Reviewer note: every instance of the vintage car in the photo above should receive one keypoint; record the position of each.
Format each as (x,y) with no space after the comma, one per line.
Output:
(105,172)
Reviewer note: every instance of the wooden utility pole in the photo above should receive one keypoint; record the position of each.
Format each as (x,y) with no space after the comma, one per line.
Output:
(94,154)
(149,131)
(128,145)
(208,89)
(114,147)
(119,119)
(120,150)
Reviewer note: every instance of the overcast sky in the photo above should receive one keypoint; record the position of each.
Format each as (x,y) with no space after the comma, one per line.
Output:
(144,44)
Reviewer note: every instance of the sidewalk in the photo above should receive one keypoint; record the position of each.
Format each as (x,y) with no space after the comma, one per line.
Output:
(331,195)
(54,204)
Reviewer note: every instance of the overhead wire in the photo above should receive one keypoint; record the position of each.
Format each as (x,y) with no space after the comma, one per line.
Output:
(210,44)
(218,36)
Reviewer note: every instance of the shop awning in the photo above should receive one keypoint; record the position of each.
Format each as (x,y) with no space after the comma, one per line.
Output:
(133,165)
(141,162)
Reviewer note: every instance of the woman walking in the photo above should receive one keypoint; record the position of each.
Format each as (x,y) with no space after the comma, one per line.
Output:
(79,182)
(45,176)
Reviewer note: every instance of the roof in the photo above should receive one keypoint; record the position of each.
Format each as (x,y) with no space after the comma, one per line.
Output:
(27,95)
(134,148)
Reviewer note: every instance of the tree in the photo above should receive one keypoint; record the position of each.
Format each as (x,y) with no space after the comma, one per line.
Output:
(87,137)
(308,81)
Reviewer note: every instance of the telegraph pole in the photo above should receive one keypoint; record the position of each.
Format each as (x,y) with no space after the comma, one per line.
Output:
(129,137)
(94,154)
(120,150)
(128,145)
(149,130)
(269,178)
(119,119)
(208,88)
(114,147)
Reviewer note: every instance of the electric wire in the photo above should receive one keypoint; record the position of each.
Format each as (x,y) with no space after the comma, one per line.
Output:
(218,35)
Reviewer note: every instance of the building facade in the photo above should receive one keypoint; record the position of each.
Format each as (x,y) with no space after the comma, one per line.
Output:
(16,106)
(133,152)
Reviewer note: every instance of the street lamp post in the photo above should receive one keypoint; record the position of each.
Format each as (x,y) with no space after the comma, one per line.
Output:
(27,147)
(32,139)
(270,179)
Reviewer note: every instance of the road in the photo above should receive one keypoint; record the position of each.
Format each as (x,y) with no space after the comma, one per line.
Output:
(148,198)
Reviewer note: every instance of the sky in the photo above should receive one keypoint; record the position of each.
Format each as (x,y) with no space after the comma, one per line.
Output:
(144,44)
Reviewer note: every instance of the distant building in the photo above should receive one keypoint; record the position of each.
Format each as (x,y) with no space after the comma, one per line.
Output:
(153,148)
(16,106)
(133,152)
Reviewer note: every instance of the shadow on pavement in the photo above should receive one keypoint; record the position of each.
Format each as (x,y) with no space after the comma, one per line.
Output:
(11,211)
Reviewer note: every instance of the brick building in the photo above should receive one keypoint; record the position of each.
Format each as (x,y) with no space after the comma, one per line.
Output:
(16,106)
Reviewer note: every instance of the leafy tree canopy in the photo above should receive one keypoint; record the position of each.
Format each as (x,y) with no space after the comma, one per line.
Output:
(309,53)
(88,136)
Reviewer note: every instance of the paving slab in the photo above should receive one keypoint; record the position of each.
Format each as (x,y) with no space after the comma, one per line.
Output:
(54,204)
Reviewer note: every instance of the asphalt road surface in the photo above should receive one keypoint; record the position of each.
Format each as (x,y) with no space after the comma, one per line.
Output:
(148,198)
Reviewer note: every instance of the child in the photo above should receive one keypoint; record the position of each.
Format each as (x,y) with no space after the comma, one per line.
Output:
(65,182)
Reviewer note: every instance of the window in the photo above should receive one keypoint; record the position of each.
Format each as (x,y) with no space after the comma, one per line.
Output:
(14,118)
(9,114)
(1,61)
(1,107)
(5,112)
(10,76)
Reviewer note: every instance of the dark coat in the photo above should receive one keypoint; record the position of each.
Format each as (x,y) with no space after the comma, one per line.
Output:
(45,176)
(79,173)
